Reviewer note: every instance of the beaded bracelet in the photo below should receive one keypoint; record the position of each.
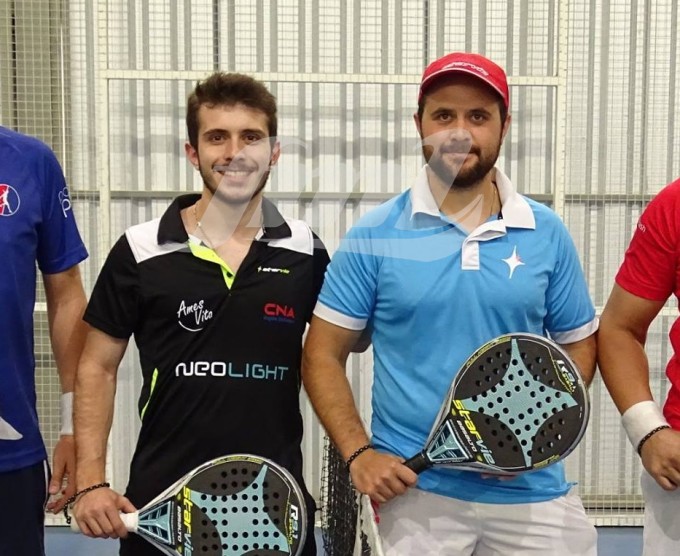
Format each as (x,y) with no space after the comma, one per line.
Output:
(75,496)
(649,435)
(356,454)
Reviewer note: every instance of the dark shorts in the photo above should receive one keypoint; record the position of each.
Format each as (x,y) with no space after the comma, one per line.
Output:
(23,494)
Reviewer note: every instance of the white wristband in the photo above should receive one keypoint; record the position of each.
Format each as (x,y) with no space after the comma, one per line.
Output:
(66,413)
(640,419)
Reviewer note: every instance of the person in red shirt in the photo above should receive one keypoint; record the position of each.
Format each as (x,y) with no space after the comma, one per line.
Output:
(649,275)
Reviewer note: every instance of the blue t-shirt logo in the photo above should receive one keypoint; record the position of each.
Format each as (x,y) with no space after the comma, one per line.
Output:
(9,200)
(65,201)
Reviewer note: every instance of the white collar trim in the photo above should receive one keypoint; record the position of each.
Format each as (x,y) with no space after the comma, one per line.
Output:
(516,210)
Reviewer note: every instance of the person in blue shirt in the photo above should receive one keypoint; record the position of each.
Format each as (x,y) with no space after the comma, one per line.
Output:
(433,274)
(37,225)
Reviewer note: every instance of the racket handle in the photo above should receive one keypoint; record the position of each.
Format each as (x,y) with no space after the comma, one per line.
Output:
(418,463)
(129,520)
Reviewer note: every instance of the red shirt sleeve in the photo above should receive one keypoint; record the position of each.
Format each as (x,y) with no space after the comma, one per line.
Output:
(650,266)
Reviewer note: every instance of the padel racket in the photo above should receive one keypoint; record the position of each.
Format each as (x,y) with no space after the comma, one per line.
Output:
(518,403)
(230,506)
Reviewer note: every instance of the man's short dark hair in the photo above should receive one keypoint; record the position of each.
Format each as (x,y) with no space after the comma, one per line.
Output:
(229,89)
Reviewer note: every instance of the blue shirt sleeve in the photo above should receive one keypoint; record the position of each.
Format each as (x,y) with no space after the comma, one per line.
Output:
(568,302)
(351,278)
(59,244)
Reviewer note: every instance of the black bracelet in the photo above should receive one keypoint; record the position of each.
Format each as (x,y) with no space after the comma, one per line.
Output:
(356,454)
(649,435)
(75,497)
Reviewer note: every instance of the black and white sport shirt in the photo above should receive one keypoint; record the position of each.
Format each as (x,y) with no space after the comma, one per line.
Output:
(220,353)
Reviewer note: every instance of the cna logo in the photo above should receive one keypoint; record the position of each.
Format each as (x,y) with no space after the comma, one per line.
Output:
(9,200)
(193,317)
(273,312)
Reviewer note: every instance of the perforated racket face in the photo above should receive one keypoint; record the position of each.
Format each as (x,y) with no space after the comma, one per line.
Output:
(518,404)
(240,506)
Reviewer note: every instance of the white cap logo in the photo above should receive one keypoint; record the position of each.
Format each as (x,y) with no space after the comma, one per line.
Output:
(468,65)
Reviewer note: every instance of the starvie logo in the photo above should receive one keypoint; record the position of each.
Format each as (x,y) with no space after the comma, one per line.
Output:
(273,270)
(279,313)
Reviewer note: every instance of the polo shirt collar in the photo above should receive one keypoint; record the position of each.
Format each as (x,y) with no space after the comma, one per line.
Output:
(515,209)
(275,226)
(171,228)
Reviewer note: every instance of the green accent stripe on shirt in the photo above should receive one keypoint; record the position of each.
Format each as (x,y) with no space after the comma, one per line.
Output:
(207,254)
(153,386)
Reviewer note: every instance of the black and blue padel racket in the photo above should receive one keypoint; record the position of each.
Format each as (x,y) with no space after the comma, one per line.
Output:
(234,505)
(518,403)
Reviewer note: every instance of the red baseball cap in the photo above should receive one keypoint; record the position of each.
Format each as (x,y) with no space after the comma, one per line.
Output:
(472,64)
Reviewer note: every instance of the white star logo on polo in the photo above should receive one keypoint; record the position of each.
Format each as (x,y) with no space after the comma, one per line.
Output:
(513,261)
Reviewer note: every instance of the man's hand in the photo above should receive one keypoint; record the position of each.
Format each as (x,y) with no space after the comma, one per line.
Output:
(381,476)
(661,458)
(63,469)
(98,513)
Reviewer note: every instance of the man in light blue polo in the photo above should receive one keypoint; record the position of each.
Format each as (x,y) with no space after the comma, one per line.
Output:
(453,262)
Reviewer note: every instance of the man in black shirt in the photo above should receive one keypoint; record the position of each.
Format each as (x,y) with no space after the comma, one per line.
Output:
(217,293)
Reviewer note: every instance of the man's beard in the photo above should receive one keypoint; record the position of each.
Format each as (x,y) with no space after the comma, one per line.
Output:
(225,195)
(459,177)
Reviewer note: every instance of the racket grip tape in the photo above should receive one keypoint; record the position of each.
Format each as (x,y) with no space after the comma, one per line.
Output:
(418,463)
(130,520)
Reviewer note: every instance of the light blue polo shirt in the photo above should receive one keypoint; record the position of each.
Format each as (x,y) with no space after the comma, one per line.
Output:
(432,293)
